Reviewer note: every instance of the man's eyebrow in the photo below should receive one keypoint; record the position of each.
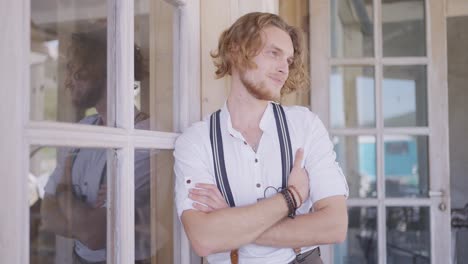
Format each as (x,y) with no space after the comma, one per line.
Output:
(273,46)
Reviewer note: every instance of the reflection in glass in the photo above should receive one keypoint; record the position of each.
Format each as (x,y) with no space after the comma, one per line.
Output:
(68,199)
(403,28)
(406,166)
(296,13)
(404,96)
(154,218)
(408,235)
(68,60)
(360,246)
(352,97)
(153,93)
(356,155)
(352,28)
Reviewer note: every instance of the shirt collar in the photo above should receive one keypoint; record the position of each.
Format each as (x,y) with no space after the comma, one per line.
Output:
(267,122)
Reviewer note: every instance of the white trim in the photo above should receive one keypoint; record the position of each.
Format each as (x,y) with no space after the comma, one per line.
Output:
(393,202)
(176,3)
(405,61)
(153,139)
(319,57)
(187,108)
(121,240)
(384,61)
(439,138)
(351,61)
(70,135)
(188,64)
(386,131)
(356,202)
(14,73)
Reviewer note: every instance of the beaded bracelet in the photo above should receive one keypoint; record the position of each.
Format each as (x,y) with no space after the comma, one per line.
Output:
(289,202)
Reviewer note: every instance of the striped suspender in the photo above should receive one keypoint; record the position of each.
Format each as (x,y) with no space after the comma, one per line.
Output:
(218,159)
(218,154)
(285,142)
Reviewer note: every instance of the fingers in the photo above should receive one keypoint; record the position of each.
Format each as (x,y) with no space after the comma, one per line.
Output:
(299,157)
(202,208)
(208,196)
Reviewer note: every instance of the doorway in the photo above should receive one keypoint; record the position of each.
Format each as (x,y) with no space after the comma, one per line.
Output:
(457,56)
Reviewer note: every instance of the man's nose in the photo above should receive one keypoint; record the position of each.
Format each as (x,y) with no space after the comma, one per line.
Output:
(283,66)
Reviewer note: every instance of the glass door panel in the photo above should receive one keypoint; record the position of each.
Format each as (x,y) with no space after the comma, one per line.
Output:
(406,166)
(357,157)
(352,28)
(408,235)
(352,97)
(68,61)
(404,96)
(404,28)
(361,242)
(153,65)
(68,200)
(154,218)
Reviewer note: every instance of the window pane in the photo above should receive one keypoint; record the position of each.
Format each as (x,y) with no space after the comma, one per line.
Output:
(356,155)
(68,61)
(352,97)
(67,197)
(405,96)
(361,241)
(408,235)
(154,192)
(154,83)
(404,28)
(352,28)
(296,13)
(406,166)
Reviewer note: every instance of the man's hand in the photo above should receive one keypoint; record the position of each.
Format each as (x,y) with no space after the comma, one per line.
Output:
(299,177)
(207,198)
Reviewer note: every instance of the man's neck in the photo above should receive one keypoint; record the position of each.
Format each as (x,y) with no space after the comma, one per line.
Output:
(245,110)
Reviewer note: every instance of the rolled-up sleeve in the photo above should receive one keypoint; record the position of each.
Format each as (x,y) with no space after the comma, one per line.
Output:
(191,166)
(326,177)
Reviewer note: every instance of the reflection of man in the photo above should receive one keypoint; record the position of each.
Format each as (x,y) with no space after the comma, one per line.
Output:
(75,199)
(227,167)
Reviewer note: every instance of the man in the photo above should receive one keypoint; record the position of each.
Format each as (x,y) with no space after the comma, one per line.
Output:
(74,204)
(242,215)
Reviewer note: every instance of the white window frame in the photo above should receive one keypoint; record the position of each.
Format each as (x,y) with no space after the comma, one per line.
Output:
(437,129)
(19,133)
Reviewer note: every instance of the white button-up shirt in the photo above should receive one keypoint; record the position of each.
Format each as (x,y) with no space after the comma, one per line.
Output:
(250,173)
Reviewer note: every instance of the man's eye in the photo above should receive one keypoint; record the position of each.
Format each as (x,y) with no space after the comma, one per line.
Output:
(273,53)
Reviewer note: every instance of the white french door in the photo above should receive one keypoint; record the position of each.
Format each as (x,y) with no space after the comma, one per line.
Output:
(378,77)
(39,120)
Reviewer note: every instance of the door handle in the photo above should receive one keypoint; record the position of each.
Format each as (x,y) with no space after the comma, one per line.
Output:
(436,193)
(442,205)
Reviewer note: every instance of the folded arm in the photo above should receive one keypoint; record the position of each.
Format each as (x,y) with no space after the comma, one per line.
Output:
(327,224)
(229,228)
(218,228)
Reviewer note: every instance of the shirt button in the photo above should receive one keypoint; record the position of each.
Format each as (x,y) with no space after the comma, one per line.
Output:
(188,181)
(245,142)
(258,185)
(256,160)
